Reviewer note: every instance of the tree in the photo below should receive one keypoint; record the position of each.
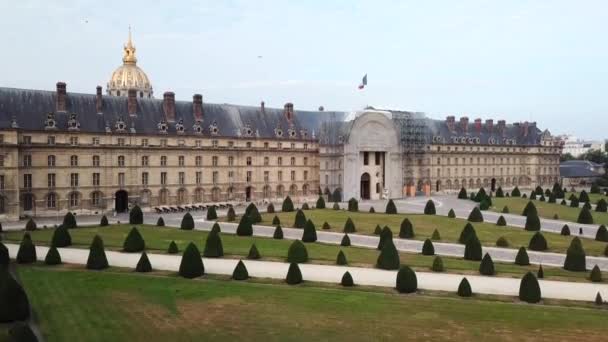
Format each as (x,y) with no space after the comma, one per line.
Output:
(69,220)
(160,222)
(407,282)
(336,206)
(14,304)
(472,249)
(191,265)
(595,189)
(310,232)
(481,195)
(104,221)
(22,332)
(52,257)
(143,265)
(475,215)
(278,233)
(501,221)
(136,216)
(522,258)
(231,215)
(484,205)
(585,216)
(540,274)
(499,192)
(297,252)
(349,226)
(437,264)
(565,230)
(464,289)
(253,254)
(4,256)
(595,275)
(326,226)
(287,205)
(532,221)
(538,242)
(385,236)
(97,259)
(428,248)
(435,236)
(253,213)
(502,242)
(305,206)
(244,228)
(429,208)
(345,241)
(27,250)
(61,237)
(552,198)
(216,228)
(486,267)
(389,257)
(134,242)
(601,206)
(320,203)
(240,271)
(515,192)
(575,256)
(574,202)
(347,280)
(30,225)
(462,194)
(529,289)
(187,222)
(598,299)
(294,275)
(300,220)
(172,248)
(406,230)
(372,210)
(353,205)
(583,197)
(451,213)
(390,207)
(269,208)
(341,258)
(530,207)
(213,245)
(275,220)
(467,232)
(601,234)
(377,230)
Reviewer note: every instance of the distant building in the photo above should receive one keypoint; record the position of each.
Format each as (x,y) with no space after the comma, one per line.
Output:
(577,147)
(580,172)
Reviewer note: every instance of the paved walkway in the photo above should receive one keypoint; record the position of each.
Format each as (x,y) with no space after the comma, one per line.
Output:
(333,274)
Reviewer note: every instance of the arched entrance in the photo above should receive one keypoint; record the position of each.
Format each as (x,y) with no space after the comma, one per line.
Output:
(365,186)
(438,185)
(248,194)
(121,201)
(493,186)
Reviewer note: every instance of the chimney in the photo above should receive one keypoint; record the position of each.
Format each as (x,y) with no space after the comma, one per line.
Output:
(263,107)
(464,124)
(450,121)
(489,125)
(132,102)
(98,100)
(501,126)
(478,126)
(61,97)
(321,109)
(525,128)
(169,106)
(288,111)
(197,107)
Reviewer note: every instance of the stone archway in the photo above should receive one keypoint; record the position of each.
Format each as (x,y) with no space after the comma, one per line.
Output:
(365,184)
(121,201)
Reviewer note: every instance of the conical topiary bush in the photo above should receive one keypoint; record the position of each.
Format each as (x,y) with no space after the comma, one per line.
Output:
(437,265)
(602,234)
(253,213)
(231,214)
(187,222)
(406,281)
(532,221)
(349,226)
(27,250)
(278,232)
(530,207)
(464,288)
(598,299)
(287,205)
(4,256)
(320,203)
(326,226)
(353,205)
(406,230)
(565,230)
(213,245)
(467,232)
(585,216)
(540,274)
(30,226)
(538,242)
(341,258)
(211,213)
(310,232)
(276,220)
(300,220)
(294,275)
(269,208)
(240,271)
(475,215)
(429,208)
(245,227)
(486,267)
(505,210)
(97,259)
(377,230)
(462,194)
(372,210)
(345,241)
(254,254)
(472,249)
(385,236)
(216,228)
(435,236)
(601,206)
(172,248)
(347,280)
(104,221)
(389,257)
(529,289)
(502,242)
(501,221)
(191,265)
(390,207)
(160,222)
(451,213)
(595,275)
(143,265)
(515,192)
(136,216)
(13,299)
(52,257)
(61,237)
(428,248)
(575,256)
(134,242)
(69,220)
(522,258)
(297,252)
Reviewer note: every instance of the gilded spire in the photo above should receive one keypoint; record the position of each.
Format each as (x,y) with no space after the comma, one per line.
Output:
(129,48)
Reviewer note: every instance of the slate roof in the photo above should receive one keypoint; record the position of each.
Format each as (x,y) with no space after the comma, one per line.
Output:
(580,169)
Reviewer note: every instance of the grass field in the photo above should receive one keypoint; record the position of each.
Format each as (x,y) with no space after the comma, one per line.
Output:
(76,305)
(159,238)
(593,197)
(424,225)
(547,210)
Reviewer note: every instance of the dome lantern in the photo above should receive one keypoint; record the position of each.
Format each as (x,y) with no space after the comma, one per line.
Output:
(129,75)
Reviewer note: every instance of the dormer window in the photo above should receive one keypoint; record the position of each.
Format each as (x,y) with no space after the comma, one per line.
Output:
(50,122)
(197,128)
(120,126)
(213,129)
(292,133)
(179,127)
(278,132)
(162,127)
(73,124)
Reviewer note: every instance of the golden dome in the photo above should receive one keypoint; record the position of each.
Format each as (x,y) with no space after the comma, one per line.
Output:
(129,75)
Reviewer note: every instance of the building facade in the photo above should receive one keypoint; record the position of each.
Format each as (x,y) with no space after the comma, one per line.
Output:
(577,147)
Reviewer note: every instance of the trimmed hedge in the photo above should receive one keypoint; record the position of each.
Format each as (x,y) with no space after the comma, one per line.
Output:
(297,252)
(435,235)
(14,303)
(104,221)
(502,242)
(136,216)
(532,221)
(160,222)
(253,213)
(69,220)
(451,213)
(598,299)
(462,194)
(372,210)
(231,215)
(134,242)
(385,236)
(406,281)
(529,289)
(501,221)
(300,219)
(254,254)
(326,226)
(269,208)
(345,241)
(515,192)
(245,227)
(486,267)
(294,275)
(341,258)
(583,197)
(472,249)
(499,192)
(538,242)
(467,232)
(349,226)
(602,234)
(143,265)
(464,289)
(437,265)
(31,225)
(475,215)
(320,203)
(575,256)
(377,230)
(172,248)
(97,259)
(216,228)
(353,205)
(601,206)
(27,250)
(389,257)
(240,271)
(336,206)
(287,205)
(530,207)
(52,257)
(565,230)
(574,202)
(522,258)
(191,265)
(347,280)
(390,207)
(406,230)
(429,208)
(276,220)
(61,237)
(187,222)
(310,232)
(213,245)
(595,275)
(278,233)
(540,274)
(585,216)
(428,248)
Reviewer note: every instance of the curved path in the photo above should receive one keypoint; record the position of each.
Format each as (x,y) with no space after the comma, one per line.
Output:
(333,274)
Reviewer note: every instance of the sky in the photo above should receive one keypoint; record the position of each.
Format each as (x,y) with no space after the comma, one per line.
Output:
(535,60)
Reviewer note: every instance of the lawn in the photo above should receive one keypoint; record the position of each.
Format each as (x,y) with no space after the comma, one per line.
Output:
(157,239)
(424,225)
(547,210)
(75,305)
(592,197)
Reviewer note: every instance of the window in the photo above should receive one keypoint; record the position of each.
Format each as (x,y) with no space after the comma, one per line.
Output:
(27,139)
(249,161)
(50,161)
(163,160)
(27,160)
(50,180)
(180,160)
(1,160)
(144,178)
(266,161)
(230,176)
(266,176)
(198,161)
(214,143)
(74,199)
(305,161)
(163,142)
(199,177)
(73,160)
(293,175)
(94,141)
(96,198)
(306,146)
(215,177)
(248,144)
(266,144)
(293,161)
(1,182)
(96,179)
(145,161)
(365,158)
(249,176)
(144,142)
(121,141)
(74,141)
(1,138)
(73,179)
(51,200)
(181,142)
(50,140)
(163,178)
(230,161)
(121,179)
(305,175)
(27,180)
(214,161)
(280,161)
(280,176)
(182,178)
(121,161)
(95,160)
(198,143)
(293,146)
(231,144)
(326,179)
(279,145)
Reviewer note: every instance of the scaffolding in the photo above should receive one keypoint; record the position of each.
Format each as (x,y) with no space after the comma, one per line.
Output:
(414,136)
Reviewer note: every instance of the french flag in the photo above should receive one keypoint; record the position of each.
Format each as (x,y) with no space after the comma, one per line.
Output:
(363,82)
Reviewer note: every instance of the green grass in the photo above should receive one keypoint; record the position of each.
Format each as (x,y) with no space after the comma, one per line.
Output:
(424,225)
(158,239)
(77,305)
(592,197)
(547,210)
